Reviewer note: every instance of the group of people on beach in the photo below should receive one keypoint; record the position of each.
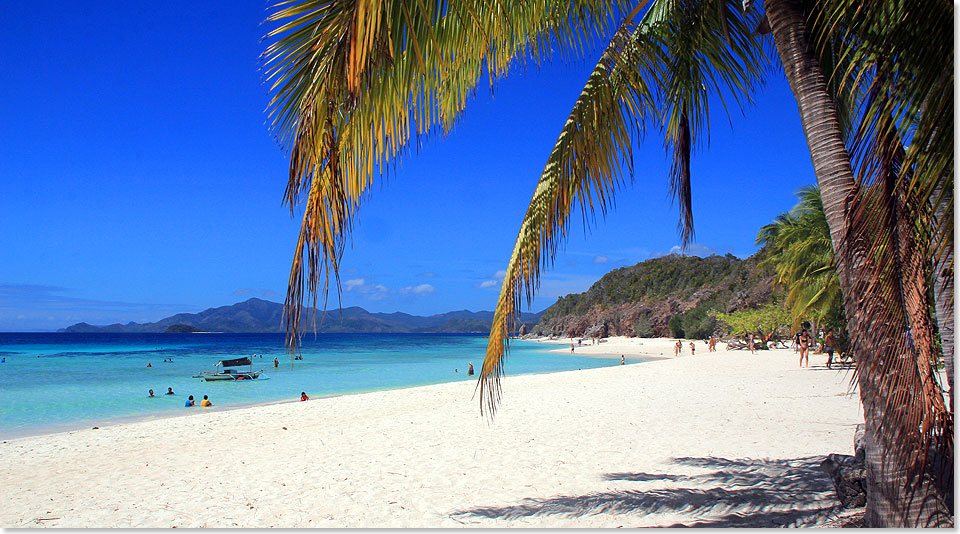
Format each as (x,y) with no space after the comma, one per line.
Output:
(678,348)
(190,402)
(804,340)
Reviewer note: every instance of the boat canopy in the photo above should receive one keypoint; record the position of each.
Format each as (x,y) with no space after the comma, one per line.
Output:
(235,363)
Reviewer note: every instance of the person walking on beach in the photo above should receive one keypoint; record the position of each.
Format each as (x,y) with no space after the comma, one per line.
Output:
(189,402)
(678,348)
(693,348)
(205,402)
(828,342)
(753,349)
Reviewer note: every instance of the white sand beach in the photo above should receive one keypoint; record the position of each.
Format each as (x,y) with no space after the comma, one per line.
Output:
(716,439)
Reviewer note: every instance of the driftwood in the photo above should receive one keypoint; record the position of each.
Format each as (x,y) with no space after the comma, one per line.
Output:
(738,344)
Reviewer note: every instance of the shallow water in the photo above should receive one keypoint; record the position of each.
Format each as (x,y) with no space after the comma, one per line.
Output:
(51,382)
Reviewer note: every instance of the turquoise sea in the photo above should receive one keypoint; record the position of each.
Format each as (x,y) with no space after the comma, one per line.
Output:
(51,382)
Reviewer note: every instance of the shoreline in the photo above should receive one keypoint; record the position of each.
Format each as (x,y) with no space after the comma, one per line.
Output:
(73,426)
(716,439)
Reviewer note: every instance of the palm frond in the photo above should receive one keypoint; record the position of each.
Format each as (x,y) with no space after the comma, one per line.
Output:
(585,166)
(353,82)
(663,69)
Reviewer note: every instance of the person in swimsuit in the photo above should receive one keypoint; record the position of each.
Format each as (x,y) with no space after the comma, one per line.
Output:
(470,369)
(804,347)
(303,396)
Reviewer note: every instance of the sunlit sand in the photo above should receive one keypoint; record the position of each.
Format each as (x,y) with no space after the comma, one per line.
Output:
(715,439)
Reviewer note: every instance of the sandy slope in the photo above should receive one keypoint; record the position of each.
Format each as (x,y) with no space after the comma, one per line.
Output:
(721,439)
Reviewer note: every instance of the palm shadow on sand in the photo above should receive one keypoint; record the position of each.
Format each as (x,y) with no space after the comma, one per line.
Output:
(733,493)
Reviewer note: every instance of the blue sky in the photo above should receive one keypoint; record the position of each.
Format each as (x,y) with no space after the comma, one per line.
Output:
(139,178)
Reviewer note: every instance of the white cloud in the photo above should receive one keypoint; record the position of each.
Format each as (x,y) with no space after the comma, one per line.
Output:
(375,292)
(495,280)
(694,249)
(601,259)
(428,275)
(422,289)
(351,284)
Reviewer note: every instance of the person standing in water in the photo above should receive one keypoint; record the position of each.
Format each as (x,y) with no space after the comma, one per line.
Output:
(189,402)
(276,362)
(470,369)
(623,361)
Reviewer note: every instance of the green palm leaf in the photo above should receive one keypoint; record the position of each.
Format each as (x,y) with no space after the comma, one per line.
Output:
(662,70)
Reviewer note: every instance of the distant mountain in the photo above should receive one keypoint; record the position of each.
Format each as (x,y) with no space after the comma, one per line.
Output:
(263,316)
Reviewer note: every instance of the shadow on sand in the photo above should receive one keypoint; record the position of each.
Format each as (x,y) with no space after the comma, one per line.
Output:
(733,493)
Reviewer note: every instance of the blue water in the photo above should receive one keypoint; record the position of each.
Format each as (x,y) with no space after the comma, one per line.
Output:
(52,382)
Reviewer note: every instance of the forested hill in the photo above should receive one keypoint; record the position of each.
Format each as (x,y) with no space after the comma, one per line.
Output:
(667,296)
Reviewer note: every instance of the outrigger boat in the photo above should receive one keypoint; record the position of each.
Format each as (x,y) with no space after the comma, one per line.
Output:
(231,374)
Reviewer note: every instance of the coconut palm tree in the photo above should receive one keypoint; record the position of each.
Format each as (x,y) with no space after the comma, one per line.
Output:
(802,257)
(354,80)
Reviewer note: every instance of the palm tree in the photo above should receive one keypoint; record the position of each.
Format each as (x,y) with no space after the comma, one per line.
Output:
(802,257)
(353,80)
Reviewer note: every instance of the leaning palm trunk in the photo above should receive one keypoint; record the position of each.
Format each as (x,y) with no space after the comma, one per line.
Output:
(894,389)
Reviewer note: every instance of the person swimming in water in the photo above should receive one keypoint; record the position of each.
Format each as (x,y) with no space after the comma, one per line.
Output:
(170,391)
(151,393)
(189,402)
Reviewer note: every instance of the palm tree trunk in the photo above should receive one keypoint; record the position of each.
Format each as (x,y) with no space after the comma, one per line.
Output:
(831,163)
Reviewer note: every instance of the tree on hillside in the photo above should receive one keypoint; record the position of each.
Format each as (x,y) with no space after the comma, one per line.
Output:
(873,80)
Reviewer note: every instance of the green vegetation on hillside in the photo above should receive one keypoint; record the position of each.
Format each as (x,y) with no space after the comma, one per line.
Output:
(671,295)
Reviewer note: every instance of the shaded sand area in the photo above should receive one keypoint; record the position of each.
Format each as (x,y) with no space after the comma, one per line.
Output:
(717,439)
